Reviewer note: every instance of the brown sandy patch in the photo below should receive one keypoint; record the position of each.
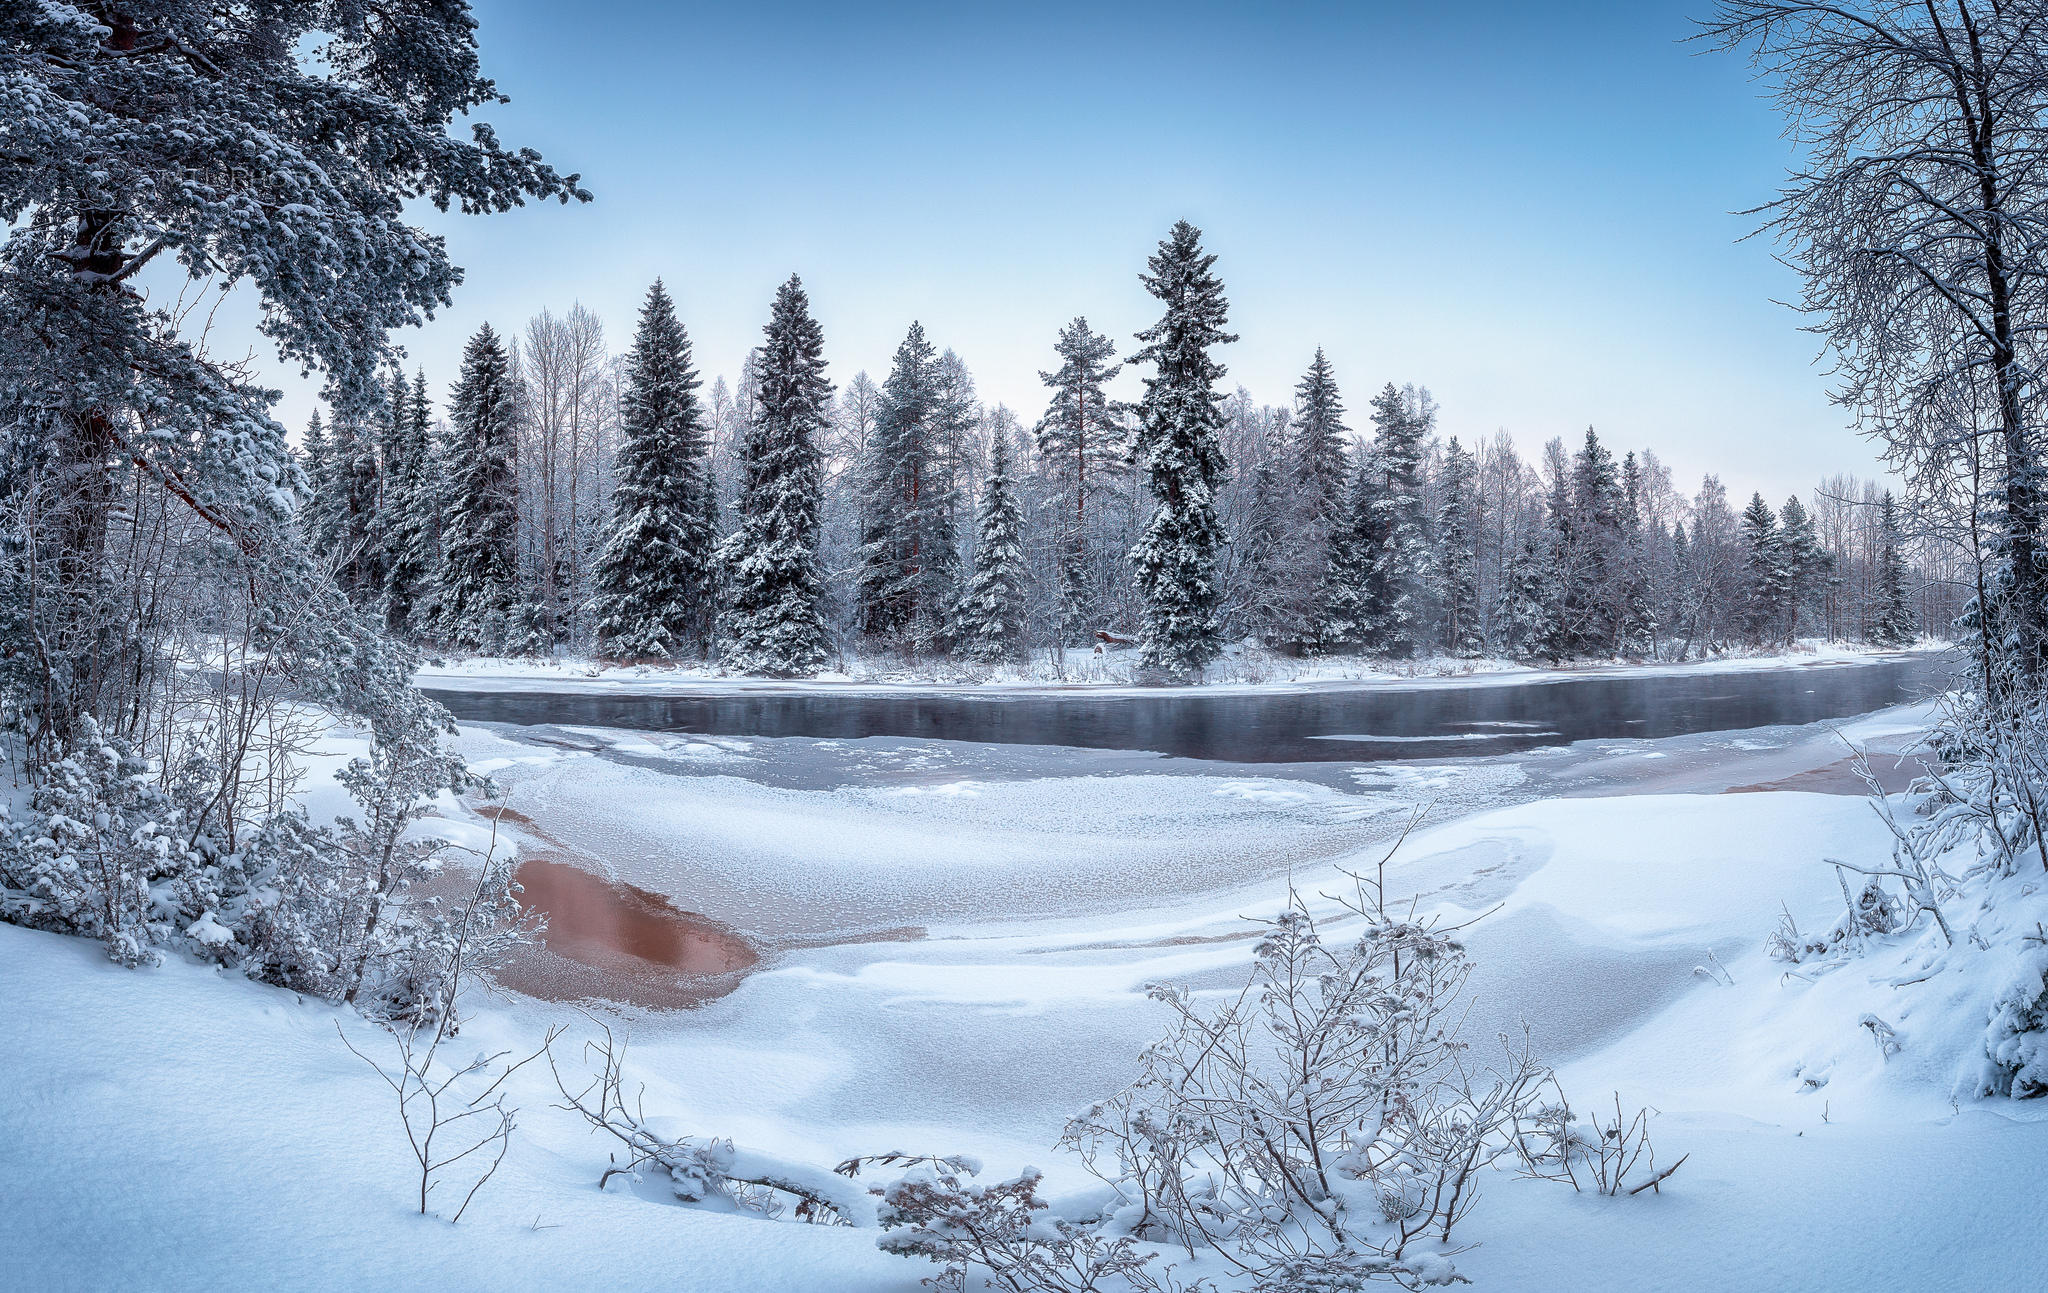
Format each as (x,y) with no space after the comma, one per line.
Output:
(1840,778)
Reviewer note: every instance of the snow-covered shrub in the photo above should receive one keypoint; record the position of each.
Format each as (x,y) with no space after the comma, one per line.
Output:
(99,852)
(938,1211)
(1325,1125)
(1604,1157)
(2016,1040)
(1872,912)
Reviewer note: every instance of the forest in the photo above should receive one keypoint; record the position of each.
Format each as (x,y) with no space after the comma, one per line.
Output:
(561,499)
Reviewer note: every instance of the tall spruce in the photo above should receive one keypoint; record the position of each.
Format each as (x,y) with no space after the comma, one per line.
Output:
(412,534)
(1319,448)
(1769,579)
(1180,424)
(1395,609)
(1083,444)
(1891,610)
(990,628)
(653,578)
(1457,565)
(316,509)
(479,585)
(909,573)
(773,583)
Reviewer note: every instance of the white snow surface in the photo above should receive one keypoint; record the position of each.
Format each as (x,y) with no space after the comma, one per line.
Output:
(181,1128)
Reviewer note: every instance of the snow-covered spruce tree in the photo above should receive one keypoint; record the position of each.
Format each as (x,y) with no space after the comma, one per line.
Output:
(1395,610)
(990,625)
(1891,609)
(1456,570)
(1083,444)
(1318,451)
(1806,562)
(1320,443)
(909,555)
(316,508)
(412,533)
(654,579)
(1594,609)
(773,586)
(1768,579)
(1350,582)
(1635,593)
(1180,421)
(479,583)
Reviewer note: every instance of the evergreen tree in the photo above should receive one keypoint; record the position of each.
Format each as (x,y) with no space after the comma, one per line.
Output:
(1350,580)
(1322,463)
(357,483)
(1457,565)
(1268,611)
(412,529)
(1768,577)
(479,585)
(1806,562)
(1083,446)
(1179,429)
(316,511)
(1594,610)
(990,627)
(773,582)
(1891,611)
(1395,610)
(1319,476)
(1527,613)
(1634,578)
(909,555)
(653,577)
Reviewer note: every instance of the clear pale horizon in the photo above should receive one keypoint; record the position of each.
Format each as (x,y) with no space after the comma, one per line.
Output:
(1531,210)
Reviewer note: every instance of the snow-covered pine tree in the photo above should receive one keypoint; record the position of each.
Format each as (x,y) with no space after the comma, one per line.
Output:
(1891,609)
(1180,421)
(1319,478)
(1456,569)
(1352,583)
(1083,445)
(1527,615)
(770,563)
(990,627)
(1395,620)
(1768,578)
(412,529)
(1320,444)
(479,583)
(1806,562)
(909,555)
(316,505)
(358,484)
(1636,628)
(1595,611)
(653,578)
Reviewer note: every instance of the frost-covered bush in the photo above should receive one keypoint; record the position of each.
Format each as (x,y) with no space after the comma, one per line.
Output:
(1591,1154)
(100,852)
(2016,1040)
(1323,1127)
(938,1211)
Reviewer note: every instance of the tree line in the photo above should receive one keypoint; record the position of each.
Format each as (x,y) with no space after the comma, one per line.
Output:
(568,500)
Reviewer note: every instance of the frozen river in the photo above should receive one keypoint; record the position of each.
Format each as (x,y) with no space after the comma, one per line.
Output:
(1333,723)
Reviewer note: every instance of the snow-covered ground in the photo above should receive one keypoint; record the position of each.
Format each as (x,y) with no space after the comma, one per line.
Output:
(179,1128)
(1242,667)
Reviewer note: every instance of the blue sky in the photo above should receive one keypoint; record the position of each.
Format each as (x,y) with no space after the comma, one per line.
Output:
(1524,206)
